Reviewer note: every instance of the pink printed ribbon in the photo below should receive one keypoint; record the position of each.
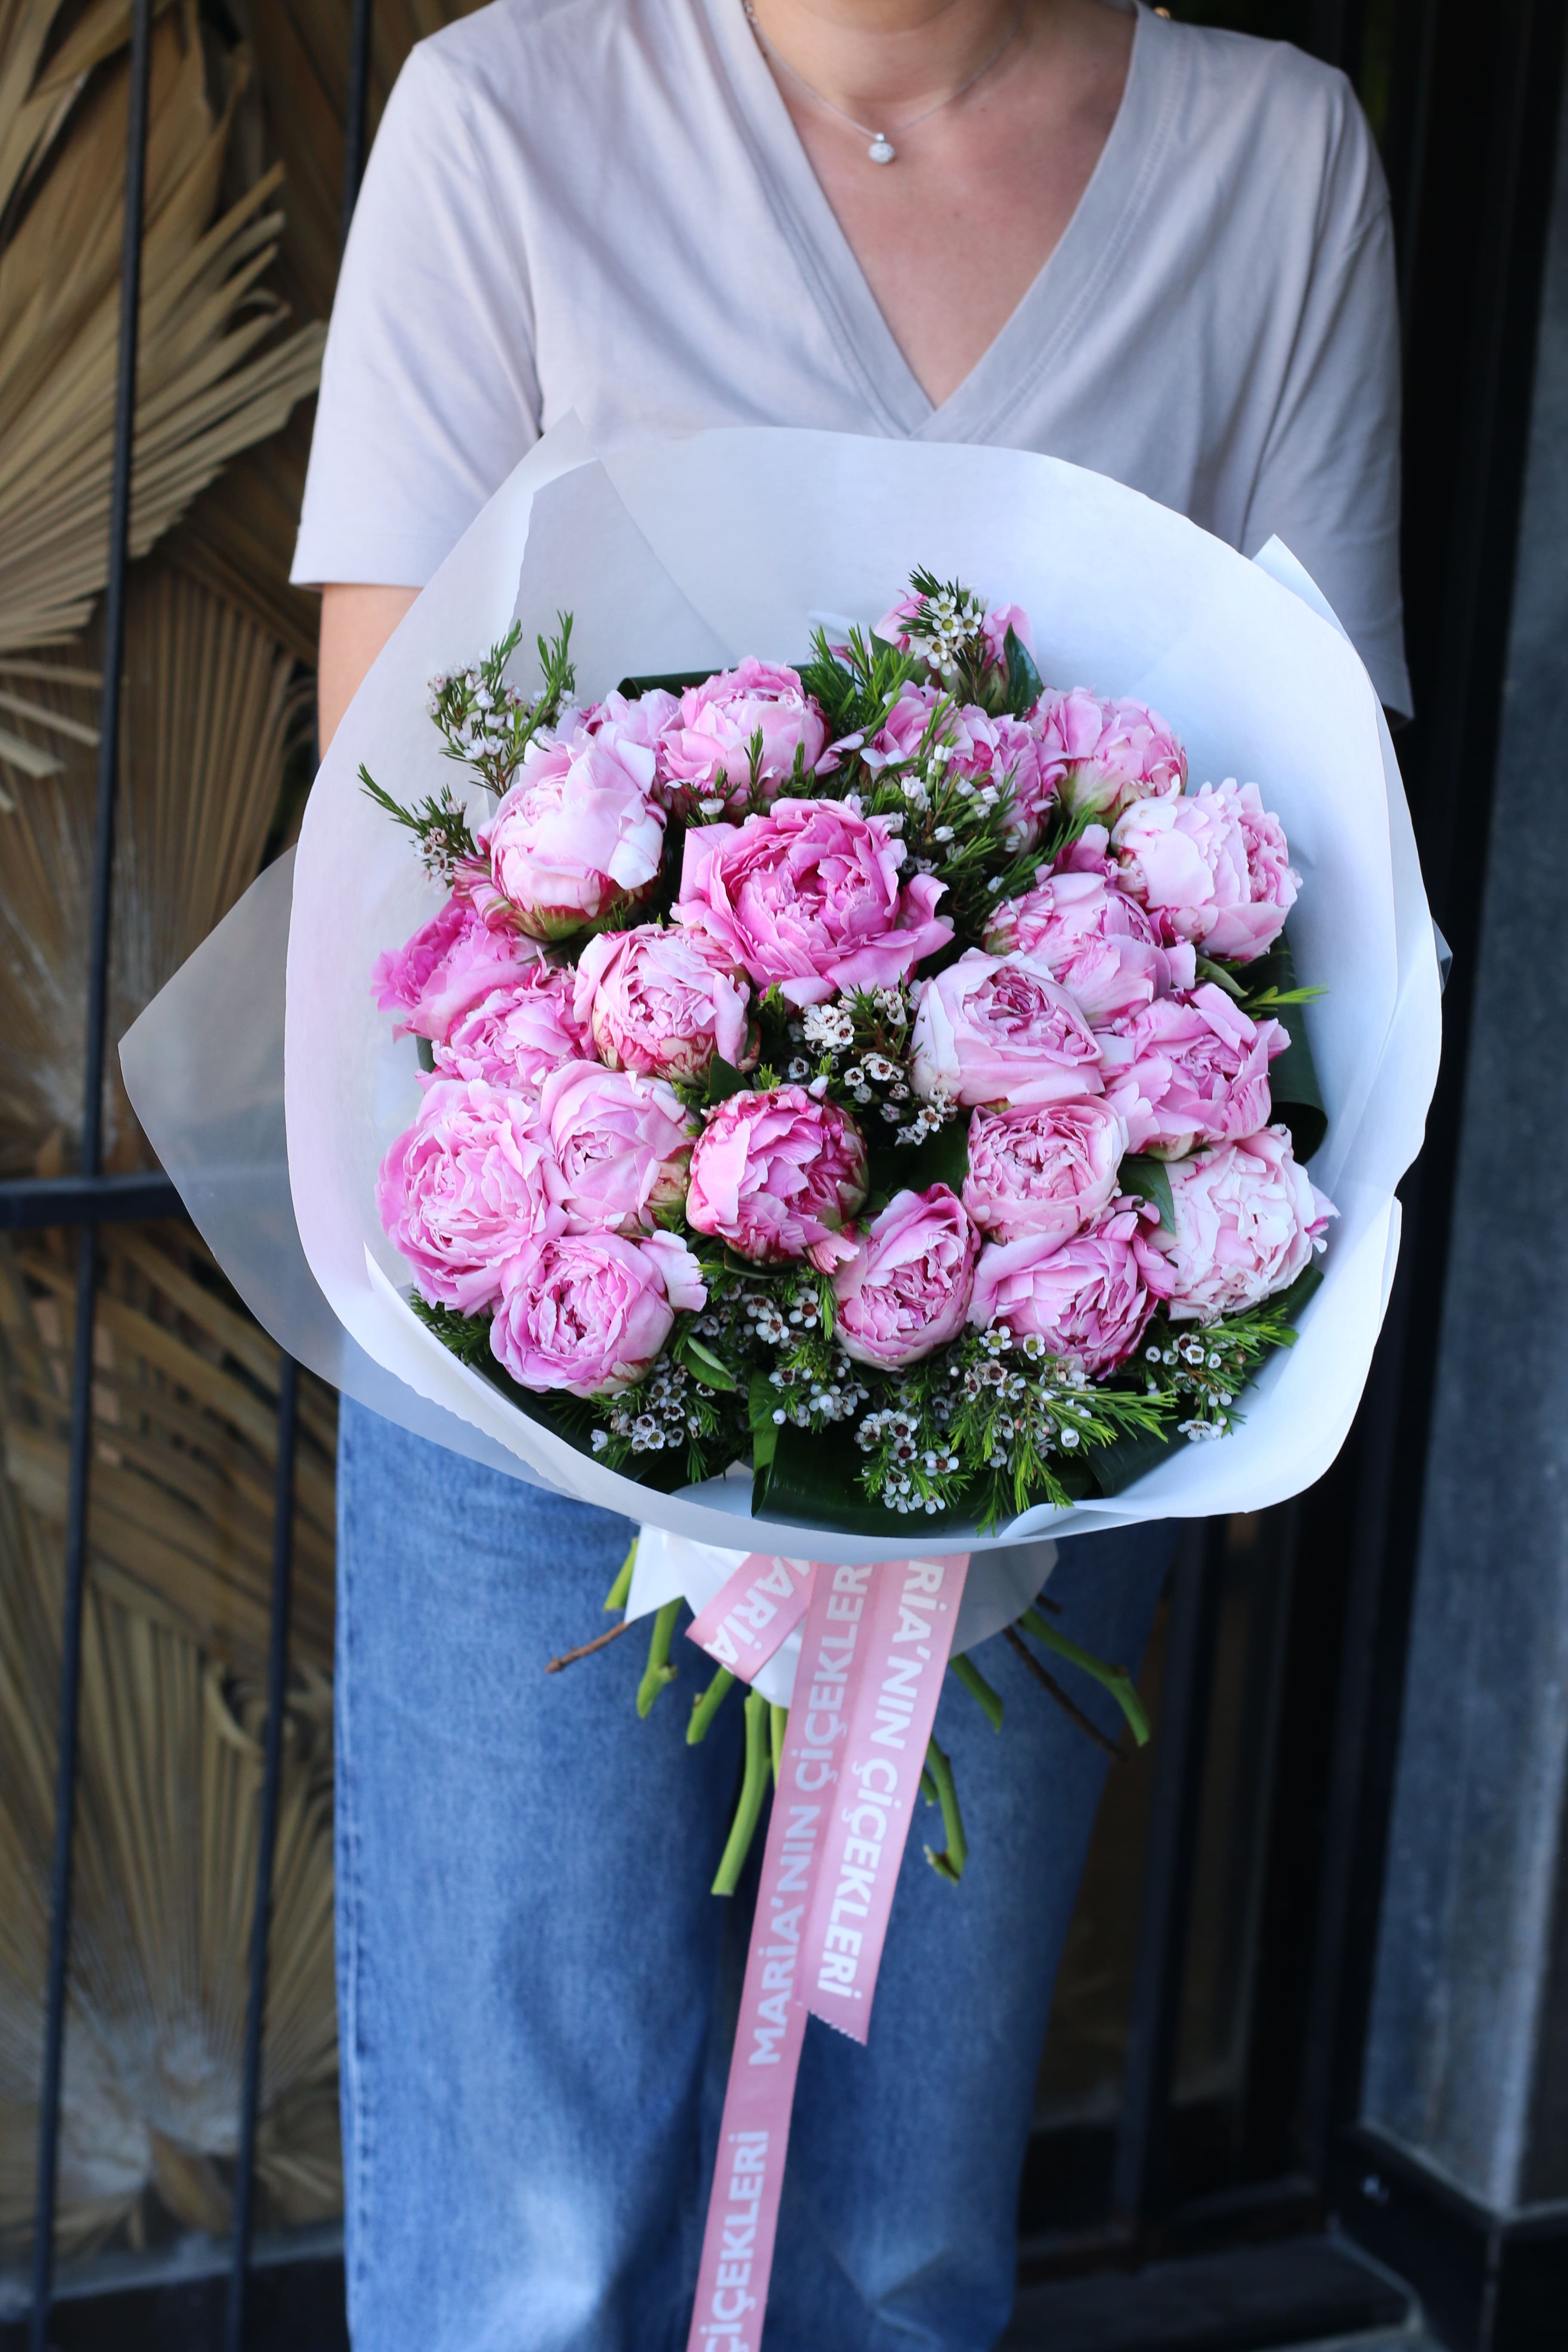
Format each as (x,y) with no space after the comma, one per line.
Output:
(753,1612)
(907,1636)
(872,1658)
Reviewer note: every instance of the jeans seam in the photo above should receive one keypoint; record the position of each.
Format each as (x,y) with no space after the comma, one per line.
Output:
(359,2138)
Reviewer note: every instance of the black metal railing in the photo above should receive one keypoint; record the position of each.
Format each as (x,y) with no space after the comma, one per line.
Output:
(91,1170)
(92,1197)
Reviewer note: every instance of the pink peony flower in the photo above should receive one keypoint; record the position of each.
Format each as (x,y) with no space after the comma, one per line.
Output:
(776,1175)
(1102,757)
(449,964)
(995,1029)
(1088,1299)
(706,753)
(1247,1221)
(990,754)
(463,1190)
(661,1002)
(517,1034)
(1095,940)
(589,1312)
(1196,1071)
(643,719)
(1043,1174)
(1273,879)
(807,896)
(1211,868)
(905,1291)
(622,1145)
(576,841)
(1063,911)
(1091,854)
(893,626)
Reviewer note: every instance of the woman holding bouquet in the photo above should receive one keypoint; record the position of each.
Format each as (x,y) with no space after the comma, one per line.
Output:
(1056,225)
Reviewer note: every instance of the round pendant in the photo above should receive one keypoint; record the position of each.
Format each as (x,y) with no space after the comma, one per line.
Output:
(881,150)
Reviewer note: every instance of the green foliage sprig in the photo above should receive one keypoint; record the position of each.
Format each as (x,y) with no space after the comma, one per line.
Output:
(438,825)
(858,683)
(485,722)
(467,1336)
(1199,1370)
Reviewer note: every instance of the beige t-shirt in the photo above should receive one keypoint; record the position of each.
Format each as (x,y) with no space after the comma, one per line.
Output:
(602,205)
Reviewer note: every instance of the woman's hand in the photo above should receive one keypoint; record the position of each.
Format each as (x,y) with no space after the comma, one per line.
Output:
(356,622)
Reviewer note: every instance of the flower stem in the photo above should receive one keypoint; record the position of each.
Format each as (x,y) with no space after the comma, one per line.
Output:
(778,1724)
(706,1707)
(586,1649)
(987,1700)
(1115,1679)
(1069,1707)
(754,1787)
(620,1592)
(659,1670)
(948,1864)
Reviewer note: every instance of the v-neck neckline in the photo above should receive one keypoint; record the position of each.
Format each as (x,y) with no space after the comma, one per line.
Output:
(1128,168)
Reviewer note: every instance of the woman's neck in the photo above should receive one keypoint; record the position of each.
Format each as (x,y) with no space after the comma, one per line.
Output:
(888,57)
(952,235)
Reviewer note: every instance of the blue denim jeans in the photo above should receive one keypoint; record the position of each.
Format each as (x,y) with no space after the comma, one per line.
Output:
(536,1988)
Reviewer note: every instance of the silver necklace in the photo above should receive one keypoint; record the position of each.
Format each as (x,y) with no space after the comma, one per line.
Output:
(882,149)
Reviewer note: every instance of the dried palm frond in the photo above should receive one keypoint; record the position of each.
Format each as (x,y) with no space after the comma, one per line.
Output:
(205,388)
(239,535)
(207,717)
(301,51)
(168,1803)
(185,1408)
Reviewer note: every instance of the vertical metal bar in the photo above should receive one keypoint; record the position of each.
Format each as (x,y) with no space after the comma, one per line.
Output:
(1336,30)
(357,114)
(1137,2180)
(355,129)
(266,1842)
(92,1163)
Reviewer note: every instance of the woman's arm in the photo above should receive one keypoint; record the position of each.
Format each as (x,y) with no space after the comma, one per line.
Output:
(356,622)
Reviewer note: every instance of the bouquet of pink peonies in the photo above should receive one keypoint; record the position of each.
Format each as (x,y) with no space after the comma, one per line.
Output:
(880,1073)
(829,965)
(835,1090)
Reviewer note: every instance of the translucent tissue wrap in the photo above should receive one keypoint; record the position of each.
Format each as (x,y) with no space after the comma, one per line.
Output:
(686,554)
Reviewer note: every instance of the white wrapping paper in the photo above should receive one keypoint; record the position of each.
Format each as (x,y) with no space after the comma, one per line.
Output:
(681,555)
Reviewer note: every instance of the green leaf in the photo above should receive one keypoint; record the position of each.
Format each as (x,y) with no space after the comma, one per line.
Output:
(426,1055)
(710,1369)
(673,681)
(1222,976)
(1289,1302)
(1292,1080)
(1024,684)
(941,1159)
(816,1479)
(1269,1000)
(1121,1463)
(724,1080)
(761,1398)
(1150,1179)
(733,1263)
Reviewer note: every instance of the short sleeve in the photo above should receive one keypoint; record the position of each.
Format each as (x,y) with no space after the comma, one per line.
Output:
(429,394)
(1329,482)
